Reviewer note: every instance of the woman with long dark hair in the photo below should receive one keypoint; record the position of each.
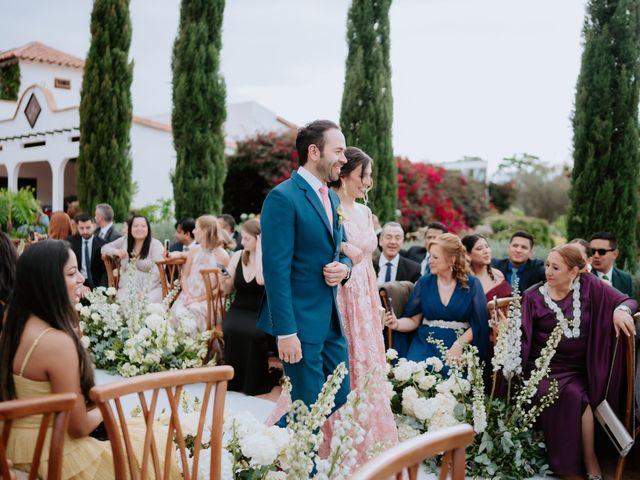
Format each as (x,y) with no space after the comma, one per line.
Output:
(41,353)
(138,244)
(8,259)
(479,255)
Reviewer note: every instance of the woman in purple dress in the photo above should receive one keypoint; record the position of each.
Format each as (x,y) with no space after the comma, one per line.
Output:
(585,307)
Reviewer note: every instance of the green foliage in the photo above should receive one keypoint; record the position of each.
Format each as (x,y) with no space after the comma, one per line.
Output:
(159,212)
(259,164)
(20,207)
(10,82)
(104,163)
(499,453)
(504,225)
(199,109)
(604,193)
(366,115)
(502,195)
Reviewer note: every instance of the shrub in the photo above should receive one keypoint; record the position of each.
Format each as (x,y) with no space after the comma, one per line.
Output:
(504,225)
(21,206)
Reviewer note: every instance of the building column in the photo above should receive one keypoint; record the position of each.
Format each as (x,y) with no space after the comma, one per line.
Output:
(57,187)
(12,177)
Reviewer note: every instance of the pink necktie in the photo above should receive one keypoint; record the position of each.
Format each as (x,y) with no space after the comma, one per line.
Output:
(324,192)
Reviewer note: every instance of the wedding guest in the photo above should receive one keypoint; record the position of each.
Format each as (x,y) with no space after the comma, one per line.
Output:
(492,279)
(604,247)
(246,348)
(104,219)
(443,301)
(8,260)
(585,250)
(420,254)
(86,247)
(390,266)
(59,226)
(184,235)
(592,314)
(71,205)
(519,265)
(146,250)
(227,223)
(208,253)
(42,354)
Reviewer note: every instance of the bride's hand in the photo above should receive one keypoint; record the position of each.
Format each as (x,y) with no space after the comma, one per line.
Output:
(351,251)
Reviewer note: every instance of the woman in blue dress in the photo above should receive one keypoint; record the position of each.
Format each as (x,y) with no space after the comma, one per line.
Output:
(443,303)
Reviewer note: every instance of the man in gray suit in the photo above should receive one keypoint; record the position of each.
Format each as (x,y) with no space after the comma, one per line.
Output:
(104,220)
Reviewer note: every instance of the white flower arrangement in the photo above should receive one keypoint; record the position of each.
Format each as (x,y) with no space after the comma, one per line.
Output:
(135,337)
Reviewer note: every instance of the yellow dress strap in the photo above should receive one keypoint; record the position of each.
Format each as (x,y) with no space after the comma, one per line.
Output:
(32,348)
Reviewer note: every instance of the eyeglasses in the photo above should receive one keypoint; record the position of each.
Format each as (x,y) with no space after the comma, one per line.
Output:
(602,251)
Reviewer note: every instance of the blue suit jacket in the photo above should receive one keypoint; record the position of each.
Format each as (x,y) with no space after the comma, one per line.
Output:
(297,243)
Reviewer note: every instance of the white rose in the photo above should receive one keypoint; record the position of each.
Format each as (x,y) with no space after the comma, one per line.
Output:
(426,382)
(259,448)
(435,363)
(154,322)
(85,311)
(391,354)
(111,291)
(155,308)
(95,317)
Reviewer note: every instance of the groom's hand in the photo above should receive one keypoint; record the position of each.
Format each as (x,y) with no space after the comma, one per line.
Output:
(289,349)
(334,273)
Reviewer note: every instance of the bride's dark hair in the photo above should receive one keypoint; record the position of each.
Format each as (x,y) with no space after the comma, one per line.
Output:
(40,290)
(355,158)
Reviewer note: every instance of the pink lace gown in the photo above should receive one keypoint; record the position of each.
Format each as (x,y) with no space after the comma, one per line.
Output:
(359,305)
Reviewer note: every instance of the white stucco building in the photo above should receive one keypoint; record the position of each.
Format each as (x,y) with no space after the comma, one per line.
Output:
(39,134)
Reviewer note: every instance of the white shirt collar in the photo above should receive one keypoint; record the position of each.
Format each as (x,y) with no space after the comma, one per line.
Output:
(384,260)
(609,274)
(311,179)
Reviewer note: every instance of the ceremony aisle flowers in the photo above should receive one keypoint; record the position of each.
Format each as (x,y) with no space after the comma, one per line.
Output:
(135,337)
(506,443)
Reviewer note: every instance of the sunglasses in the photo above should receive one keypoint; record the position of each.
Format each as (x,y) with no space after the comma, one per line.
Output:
(602,251)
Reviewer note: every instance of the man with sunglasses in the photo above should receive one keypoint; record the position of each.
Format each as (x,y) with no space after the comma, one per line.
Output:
(604,247)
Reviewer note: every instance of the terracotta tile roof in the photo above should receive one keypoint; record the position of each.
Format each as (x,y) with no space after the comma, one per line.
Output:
(39,52)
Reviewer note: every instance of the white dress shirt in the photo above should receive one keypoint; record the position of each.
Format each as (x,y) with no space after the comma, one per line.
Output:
(83,261)
(103,231)
(609,275)
(424,263)
(382,268)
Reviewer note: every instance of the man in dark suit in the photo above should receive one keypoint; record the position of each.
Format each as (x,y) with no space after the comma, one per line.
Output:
(519,264)
(87,247)
(227,223)
(104,220)
(604,247)
(184,235)
(390,266)
(418,253)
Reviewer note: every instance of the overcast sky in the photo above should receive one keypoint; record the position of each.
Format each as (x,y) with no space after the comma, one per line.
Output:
(487,78)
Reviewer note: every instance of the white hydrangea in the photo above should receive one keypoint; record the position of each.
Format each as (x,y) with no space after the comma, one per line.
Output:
(111,291)
(424,408)
(435,363)
(154,321)
(259,448)
(403,371)
(391,354)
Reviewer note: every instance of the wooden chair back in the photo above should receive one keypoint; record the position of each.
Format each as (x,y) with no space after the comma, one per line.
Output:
(216,299)
(170,270)
(394,295)
(408,455)
(54,410)
(107,398)
(502,305)
(629,396)
(112,266)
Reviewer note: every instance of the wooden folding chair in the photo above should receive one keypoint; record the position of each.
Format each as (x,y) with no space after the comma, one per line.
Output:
(502,305)
(408,455)
(54,407)
(112,266)
(107,398)
(216,299)
(394,295)
(170,270)
(629,398)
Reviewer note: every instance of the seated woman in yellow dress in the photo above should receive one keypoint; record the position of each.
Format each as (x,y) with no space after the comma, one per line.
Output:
(42,354)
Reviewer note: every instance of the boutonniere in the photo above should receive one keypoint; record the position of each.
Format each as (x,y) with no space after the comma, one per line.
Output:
(341,217)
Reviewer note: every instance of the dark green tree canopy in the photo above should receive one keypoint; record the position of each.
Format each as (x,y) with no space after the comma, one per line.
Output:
(104,163)
(199,109)
(366,115)
(604,195)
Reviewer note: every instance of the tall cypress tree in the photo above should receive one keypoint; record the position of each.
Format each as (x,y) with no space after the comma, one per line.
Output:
(604,194)
(367,104)
(104,163)
(199,109)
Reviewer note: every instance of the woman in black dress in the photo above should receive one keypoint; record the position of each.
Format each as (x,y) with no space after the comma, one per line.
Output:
(246,348)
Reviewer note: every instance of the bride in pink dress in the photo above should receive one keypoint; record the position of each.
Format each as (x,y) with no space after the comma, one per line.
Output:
(359,305)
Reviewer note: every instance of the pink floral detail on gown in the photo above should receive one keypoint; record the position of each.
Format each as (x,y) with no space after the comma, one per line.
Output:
(359,306)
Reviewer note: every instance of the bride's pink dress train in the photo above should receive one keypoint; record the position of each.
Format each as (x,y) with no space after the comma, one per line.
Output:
(359,305)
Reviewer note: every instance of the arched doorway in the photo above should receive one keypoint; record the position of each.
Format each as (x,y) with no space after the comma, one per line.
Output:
(4,176)
(37,175)
(70,177)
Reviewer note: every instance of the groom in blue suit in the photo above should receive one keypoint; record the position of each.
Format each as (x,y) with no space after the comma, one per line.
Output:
(302,234)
